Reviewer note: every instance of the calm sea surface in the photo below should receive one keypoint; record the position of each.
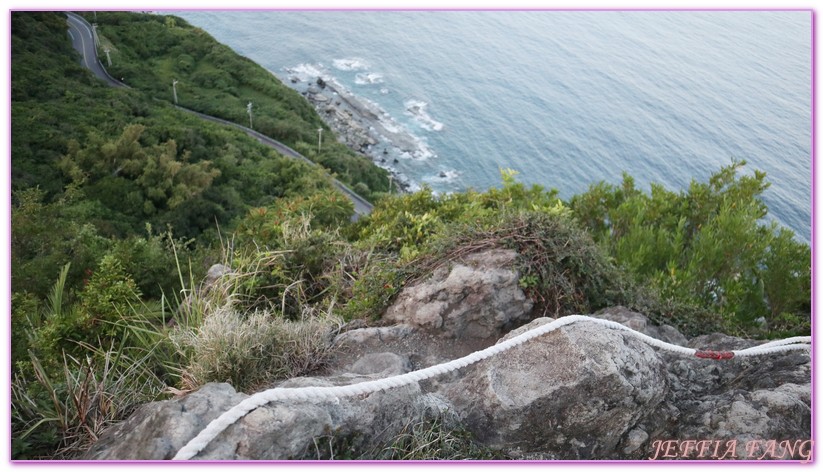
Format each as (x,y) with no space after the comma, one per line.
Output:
(565,98)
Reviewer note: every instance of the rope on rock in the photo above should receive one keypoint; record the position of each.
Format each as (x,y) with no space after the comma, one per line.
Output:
(317,394)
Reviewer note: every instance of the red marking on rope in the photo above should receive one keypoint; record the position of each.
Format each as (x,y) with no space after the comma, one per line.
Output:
(716,355)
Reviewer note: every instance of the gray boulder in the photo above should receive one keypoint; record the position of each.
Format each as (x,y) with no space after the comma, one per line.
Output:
(157,430)
(570,394)
(458,310)
(748,401)
(638,322)
(276,431)
(476,298)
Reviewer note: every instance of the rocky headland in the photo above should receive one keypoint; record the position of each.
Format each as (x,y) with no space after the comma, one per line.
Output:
(581,392)
(363,127)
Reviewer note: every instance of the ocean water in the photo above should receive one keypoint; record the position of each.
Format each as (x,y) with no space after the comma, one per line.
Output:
(567,98)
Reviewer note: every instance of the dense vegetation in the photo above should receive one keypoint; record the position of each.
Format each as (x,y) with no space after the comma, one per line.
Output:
(149,52)
(121,203)
(122,196)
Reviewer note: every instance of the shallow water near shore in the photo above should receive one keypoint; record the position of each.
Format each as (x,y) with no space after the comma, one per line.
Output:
(565,98)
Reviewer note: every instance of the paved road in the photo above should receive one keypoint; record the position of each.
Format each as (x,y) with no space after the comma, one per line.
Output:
(361,205)
(82,39)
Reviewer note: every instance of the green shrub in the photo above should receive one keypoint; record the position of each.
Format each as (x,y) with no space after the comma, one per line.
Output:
(287,251)
(25,316)
(402,223)
(45,237)
(371,285)
(706,246)
(97,319)
(152,262)
(59,414)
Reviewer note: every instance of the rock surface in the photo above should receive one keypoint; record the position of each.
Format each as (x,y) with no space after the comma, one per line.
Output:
(581,392)
(476,298)
(365,128)
(276,431)
(158,430)
(460,309)
(570,394)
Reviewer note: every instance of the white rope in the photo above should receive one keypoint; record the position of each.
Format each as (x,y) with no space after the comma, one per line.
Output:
(780,345)
(317,394)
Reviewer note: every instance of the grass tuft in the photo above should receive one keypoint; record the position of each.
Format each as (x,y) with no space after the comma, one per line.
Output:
(72,407)
(251,350)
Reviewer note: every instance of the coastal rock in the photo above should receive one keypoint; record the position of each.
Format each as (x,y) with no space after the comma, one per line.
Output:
(584,391)
(361,126)
(749,417)
(571,394)
(640,323)
(157,430)
(476,298)
(280,430)
(746,400)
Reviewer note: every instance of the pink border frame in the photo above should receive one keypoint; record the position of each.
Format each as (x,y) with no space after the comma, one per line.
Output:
(7,233)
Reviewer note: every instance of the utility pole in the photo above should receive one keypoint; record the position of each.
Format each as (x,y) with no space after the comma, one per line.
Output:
(174,89)
(248,109)
(319,138)
(108,57)
(94,34)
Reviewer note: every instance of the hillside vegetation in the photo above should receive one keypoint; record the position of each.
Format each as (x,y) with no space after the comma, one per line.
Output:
(149,52)
(121,203)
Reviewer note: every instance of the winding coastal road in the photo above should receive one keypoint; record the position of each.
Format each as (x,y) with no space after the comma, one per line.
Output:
(82,39)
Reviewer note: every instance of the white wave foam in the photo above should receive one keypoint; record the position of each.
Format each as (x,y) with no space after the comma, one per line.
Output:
(423,151)
(390,126)
(449,175)
(417,109)
(443,176)
(368,78)
(307,73)
(350,63)
(410,146)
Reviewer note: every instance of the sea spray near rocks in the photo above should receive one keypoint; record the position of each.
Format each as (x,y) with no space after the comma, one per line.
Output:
(368,78)
(417,109)
(351,63)
(443,175)
(361,124)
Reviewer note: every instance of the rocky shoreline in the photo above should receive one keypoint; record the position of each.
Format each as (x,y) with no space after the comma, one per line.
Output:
(363,127)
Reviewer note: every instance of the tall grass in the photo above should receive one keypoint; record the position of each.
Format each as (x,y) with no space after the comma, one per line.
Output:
(61,400)
(86,370)
(74,406)
(429,439)
(432,440)
(251,350)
